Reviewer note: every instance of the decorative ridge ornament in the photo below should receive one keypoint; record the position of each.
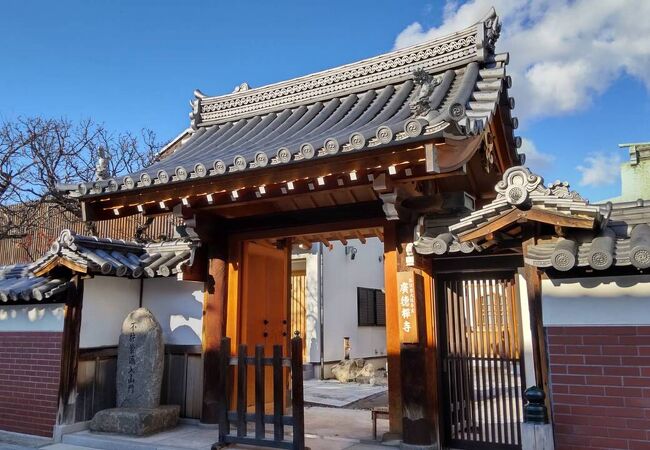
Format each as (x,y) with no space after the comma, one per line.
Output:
(469,45)
(420,105)
(517,184)
(243,87)
(561,189)
(101,168)
(492,29)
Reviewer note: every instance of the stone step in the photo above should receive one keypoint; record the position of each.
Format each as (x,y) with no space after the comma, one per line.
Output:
(65,447)
(182,438)
(102,443)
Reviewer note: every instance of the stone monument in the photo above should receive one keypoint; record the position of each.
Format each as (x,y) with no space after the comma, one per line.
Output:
(140,363)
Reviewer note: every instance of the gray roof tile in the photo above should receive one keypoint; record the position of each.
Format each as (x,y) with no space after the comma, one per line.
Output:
(357,107)
(96,256)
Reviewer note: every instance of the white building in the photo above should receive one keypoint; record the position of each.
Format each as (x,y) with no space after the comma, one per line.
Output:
(338,281)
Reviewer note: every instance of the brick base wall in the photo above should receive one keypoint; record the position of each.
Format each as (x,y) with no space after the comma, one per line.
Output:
(30,364)
(600,387)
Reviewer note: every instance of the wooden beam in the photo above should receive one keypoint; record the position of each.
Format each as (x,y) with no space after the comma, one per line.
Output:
(517,215)
(47,267)
(533,280)
(497,130)
(539,215)
(235,250)
(102,204)
(322,220)
(433,358)
(214,323)
(391,263)
(70,346)
(477,263)
(72,265)
(431,156)
(359,236)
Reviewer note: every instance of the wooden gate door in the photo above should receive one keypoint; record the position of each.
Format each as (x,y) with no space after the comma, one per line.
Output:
(482,361)
(265,302)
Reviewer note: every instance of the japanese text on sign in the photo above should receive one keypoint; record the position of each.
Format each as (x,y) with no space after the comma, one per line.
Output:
(131,379)
(406,298)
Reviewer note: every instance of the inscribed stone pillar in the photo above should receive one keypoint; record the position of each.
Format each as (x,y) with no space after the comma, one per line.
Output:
(140,361)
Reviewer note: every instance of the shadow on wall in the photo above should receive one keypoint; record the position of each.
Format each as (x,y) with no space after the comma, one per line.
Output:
(607,286)
(39,318)
(185,329)
(178,306)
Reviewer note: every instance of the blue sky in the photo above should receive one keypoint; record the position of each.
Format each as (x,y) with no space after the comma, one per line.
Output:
(134,64)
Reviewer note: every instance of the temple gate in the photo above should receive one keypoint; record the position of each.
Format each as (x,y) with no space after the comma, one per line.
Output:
(376,148)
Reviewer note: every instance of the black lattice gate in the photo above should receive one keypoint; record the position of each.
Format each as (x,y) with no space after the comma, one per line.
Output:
(482,363)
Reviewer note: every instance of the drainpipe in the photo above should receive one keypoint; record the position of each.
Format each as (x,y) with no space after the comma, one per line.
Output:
(321,309)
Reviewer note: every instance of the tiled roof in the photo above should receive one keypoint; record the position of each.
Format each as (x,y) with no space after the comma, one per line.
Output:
(447,87)
(118,257)
(518,190)
(620,235)
(623,241)
(17,282)
(95,256)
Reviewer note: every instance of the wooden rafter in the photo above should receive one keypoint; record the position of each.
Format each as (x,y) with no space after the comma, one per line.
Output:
(517,215)
(360,236)
(47,267)
(104,204)
(72,265)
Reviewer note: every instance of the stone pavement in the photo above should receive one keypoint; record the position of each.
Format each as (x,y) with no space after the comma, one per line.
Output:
(335,393)
(311,443)
(327,429)
(18,441)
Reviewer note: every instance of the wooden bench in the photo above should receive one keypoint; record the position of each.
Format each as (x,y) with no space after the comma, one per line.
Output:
(378,412)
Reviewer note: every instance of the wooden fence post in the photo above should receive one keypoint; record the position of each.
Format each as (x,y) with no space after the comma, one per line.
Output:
(242,392)
(297,401)
(222,382)
(259,392)
(278,394)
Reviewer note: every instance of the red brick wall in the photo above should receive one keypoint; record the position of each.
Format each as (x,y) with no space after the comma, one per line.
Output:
(30,364)
(600,387)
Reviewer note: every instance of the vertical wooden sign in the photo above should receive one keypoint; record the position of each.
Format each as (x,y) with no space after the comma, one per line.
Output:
(408,291)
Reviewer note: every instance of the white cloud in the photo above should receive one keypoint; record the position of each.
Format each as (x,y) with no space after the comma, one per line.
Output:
(600,169)
(535,159)
(562,52)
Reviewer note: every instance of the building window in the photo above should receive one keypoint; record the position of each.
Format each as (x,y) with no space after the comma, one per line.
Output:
(371,307)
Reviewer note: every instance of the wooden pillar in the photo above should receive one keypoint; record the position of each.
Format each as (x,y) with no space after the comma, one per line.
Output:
(432,356)
(70,346)
(540,357)
(391,267)
(214,324)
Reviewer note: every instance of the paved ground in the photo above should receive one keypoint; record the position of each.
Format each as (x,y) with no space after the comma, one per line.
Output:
(326,429)
(16,441)
(374,401)
(337,394)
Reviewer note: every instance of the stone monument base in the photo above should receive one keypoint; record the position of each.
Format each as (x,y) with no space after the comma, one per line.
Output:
(136,421)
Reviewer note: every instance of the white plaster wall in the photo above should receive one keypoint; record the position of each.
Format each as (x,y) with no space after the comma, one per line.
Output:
(596,301)
(342,276)
(107,301)
(32,318)
(312,332)
(526,332)
(178,306)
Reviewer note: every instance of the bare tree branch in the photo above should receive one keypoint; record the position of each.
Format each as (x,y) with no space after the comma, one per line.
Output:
(37,153)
